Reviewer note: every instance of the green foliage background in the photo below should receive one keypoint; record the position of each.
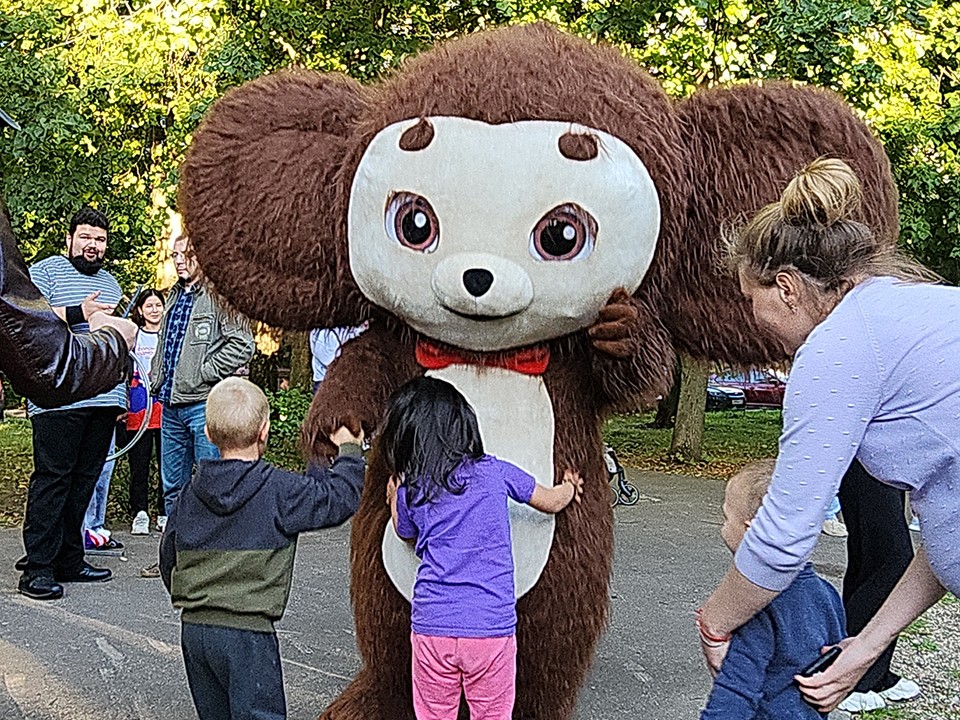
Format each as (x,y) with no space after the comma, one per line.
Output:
(108,93)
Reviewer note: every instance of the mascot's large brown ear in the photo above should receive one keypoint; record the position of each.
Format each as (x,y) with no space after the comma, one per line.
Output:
(264,192)
(745,144)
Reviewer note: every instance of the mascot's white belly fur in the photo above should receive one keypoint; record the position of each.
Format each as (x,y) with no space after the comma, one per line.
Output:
(517,424)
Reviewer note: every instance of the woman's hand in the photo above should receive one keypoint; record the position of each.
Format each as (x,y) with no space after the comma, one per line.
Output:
(713,654)
(826,690)
(713,646)
(917,590)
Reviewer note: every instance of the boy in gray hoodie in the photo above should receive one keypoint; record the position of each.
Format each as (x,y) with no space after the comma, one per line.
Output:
(227,554)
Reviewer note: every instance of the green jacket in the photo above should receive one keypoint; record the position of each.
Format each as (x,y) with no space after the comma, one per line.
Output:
(217,344)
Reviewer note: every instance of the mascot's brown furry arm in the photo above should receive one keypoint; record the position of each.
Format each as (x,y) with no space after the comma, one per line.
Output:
(528,216)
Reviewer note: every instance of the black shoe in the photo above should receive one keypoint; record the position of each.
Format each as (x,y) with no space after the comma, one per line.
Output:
(21,564)
(42,587)
(86,573)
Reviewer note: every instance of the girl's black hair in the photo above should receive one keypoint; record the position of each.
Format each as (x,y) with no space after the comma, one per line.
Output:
(136,314)
(429,429)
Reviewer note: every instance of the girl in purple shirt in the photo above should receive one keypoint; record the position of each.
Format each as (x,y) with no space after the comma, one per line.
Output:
(450,499)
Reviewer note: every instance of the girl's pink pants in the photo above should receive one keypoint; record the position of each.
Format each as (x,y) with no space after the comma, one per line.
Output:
(485,669)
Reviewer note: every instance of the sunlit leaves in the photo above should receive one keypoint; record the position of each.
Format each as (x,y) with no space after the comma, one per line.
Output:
(109,93)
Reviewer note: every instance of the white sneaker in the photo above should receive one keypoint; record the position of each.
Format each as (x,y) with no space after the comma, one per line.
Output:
(915,524)
(904,690)
(141,524)
(161,522)
(834,527)
(858,702)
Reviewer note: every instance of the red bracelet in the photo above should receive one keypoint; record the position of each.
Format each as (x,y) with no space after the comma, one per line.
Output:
(705,634)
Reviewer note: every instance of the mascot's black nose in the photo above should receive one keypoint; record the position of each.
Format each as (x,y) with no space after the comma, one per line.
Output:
(477,281)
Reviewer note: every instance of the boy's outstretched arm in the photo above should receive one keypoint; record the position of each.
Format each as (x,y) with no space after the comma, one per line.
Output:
(325,497)
(556,498)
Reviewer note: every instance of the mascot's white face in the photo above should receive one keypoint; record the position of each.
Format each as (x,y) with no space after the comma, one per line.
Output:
(488,237)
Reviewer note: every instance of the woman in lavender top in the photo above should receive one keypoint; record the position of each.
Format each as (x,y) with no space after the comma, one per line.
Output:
(875,378)
(450,499)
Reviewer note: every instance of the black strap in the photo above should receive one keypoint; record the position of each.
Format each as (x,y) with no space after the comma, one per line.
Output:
(75,315)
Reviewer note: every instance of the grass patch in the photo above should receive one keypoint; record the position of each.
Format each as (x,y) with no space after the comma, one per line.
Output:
(16,464)
(919,634)
(887,713)
(730,440)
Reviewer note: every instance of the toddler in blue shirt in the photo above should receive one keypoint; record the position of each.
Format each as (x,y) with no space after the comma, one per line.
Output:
(756,679)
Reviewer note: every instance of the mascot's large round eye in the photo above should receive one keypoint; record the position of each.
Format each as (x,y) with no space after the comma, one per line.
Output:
(411,221)
(568,232)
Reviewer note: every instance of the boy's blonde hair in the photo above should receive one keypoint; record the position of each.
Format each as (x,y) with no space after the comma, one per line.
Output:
(236,410)
(753,481)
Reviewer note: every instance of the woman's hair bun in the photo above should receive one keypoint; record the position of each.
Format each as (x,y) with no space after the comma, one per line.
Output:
(825,192)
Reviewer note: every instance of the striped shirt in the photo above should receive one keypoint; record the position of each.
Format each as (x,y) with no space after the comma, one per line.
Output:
(63,285)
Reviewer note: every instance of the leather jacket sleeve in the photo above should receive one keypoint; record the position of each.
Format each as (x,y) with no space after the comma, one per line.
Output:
(43,359)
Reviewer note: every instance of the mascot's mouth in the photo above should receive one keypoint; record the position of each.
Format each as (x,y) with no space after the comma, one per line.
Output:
(481,318)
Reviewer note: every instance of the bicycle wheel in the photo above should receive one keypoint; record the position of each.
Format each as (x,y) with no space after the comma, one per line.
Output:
(628,494)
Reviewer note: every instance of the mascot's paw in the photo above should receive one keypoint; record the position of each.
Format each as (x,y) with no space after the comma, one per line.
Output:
(614,332)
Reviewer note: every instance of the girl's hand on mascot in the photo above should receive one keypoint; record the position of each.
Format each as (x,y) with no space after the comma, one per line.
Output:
(572,477)
(612,333)
(392,485)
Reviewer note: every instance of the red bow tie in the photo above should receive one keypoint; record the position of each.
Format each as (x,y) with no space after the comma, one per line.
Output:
(528,361)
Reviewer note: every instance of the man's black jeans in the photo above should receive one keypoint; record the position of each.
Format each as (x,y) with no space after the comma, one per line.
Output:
(69,448)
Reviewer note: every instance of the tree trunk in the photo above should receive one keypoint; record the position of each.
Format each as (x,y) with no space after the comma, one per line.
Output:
(301,369)
(667,407)
(687,444)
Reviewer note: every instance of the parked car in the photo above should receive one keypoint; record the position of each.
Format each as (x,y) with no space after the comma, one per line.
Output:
(725,398)
(763,388)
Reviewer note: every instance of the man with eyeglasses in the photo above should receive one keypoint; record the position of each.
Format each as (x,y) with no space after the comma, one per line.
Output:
(70,443)
(200,344)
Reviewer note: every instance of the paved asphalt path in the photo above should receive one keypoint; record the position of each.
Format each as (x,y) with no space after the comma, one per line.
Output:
(111,651)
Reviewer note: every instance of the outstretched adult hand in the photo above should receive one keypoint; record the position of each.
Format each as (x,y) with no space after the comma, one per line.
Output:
(91,305)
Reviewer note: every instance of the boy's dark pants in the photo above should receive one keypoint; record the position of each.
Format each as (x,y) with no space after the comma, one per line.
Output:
(233,674)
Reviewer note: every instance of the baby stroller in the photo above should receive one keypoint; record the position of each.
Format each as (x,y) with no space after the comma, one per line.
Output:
(624,492)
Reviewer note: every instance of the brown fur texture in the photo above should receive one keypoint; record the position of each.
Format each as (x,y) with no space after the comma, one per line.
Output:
(265,190)
(745,144)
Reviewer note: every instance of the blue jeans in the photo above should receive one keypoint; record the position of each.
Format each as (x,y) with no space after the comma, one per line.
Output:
(182,445)
(96,513)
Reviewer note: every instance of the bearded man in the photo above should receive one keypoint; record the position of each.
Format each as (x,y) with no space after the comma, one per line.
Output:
(70,443)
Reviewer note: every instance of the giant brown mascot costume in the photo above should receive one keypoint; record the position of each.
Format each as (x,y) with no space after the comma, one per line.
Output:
(529,217)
